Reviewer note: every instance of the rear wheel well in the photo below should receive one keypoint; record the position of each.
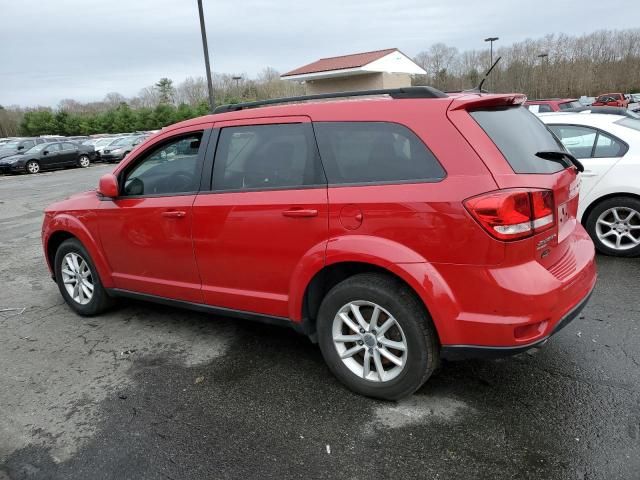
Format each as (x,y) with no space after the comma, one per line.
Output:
(53,244)
(330,276)
(598,201)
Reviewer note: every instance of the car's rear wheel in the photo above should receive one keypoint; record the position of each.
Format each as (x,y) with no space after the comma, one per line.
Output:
(614,226)
(377,337)
(78,279)
(32,166)
(84,161)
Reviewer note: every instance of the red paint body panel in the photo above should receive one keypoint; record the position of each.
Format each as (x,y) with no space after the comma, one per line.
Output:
(257,251)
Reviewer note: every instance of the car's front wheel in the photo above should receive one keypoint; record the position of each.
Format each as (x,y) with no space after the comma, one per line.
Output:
(377,337)
(614,226)
(32,166)
(78,279)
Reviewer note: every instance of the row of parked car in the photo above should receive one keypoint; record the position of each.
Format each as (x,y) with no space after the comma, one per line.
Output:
(628,101)
(33,154)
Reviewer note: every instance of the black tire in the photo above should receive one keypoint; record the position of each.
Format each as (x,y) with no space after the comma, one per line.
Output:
(591,224)
(32,166)
(423,351)
(100,300)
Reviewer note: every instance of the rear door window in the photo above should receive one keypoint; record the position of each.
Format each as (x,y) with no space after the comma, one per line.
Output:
(519,135)
(262,157)
(374,152)
(578,140)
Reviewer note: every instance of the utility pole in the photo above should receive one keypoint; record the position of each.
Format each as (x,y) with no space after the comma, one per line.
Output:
(237,79)
(203,31)
(491,40)
(542,57)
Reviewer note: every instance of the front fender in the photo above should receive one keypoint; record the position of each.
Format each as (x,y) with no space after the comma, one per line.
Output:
(69,224)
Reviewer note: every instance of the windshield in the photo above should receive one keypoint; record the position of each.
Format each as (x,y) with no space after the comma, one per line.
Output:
(123,141)
(37,148)
(520,135)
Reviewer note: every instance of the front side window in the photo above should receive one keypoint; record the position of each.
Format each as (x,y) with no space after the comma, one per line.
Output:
(28,144)
(267,157)
(68,146)
(171,168)
(53,147)
(374,152)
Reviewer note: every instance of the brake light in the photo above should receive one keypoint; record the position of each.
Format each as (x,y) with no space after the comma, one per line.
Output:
(513,214)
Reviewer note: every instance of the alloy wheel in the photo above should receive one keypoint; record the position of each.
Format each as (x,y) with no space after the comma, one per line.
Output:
(369,341)
(33,167)
(77,278)
(84,161)
(619,228)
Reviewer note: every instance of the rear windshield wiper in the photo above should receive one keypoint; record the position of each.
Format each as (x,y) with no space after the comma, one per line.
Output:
(561,157)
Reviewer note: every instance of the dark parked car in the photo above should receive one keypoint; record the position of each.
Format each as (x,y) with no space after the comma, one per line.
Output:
(117,150)
(48,155)
(609,110)
(19,145)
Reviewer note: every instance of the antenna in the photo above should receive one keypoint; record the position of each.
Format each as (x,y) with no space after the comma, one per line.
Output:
(486,75)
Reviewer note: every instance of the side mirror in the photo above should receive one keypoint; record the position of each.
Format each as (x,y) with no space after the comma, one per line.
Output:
(46,152)
(21,147)
(108,186)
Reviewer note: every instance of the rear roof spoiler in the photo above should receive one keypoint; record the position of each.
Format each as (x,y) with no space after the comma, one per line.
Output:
(468,102)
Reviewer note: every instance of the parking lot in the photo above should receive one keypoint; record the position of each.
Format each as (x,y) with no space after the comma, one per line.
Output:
(151,392)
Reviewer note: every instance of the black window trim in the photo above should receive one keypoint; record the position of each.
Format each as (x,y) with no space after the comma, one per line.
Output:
(201,159)
(595,142)
(381,182)
(214,151)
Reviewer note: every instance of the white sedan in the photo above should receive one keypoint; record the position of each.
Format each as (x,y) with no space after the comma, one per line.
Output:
(609,148)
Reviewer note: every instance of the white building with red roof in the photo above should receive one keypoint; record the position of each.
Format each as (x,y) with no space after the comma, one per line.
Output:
(389,68)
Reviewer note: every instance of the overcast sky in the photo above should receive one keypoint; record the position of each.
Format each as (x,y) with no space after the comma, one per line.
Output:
(84,49)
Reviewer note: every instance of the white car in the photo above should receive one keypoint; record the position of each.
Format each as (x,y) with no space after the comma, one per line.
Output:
(609,148)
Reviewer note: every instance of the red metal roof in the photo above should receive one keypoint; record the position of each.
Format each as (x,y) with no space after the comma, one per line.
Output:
(340,63)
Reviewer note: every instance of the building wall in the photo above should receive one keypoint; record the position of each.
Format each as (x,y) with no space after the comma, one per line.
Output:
(370,81)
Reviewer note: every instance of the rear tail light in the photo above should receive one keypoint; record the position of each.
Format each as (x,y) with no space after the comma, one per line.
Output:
(513,214)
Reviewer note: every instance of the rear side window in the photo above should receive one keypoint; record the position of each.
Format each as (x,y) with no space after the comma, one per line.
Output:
(586,142)
(519,135)
(260,157)
(374,152)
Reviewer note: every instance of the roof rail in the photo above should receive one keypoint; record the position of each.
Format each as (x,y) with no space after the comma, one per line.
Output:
(407,92)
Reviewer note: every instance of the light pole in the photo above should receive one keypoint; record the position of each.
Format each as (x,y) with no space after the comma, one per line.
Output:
(491,40)
(542,57)
(237,79)
(203,31)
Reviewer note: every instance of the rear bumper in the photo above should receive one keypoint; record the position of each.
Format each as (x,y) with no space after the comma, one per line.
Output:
(462,352)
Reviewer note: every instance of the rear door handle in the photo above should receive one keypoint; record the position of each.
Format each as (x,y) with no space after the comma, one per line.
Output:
(589,173)
(300,212)
(174,214)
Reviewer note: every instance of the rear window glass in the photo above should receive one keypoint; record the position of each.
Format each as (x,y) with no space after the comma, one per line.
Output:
(374,152)
(519,135)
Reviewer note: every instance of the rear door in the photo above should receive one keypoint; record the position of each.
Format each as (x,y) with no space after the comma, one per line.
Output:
(69,154)
(266,212)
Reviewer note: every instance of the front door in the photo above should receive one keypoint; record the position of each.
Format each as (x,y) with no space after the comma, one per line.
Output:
(146,231)
(51,155)
(267,211)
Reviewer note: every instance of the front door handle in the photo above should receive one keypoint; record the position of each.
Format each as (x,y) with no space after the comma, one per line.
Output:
(300,212)
(174,214)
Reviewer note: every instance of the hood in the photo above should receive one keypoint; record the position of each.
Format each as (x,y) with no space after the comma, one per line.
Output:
(78,201)
(11,158)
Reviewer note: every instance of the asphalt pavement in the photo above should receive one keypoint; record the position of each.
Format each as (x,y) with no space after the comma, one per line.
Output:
(152,392)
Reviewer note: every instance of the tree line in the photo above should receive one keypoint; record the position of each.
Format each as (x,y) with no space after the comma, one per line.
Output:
(552,66)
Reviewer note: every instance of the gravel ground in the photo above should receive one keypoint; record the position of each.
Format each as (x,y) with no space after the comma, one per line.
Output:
(152,392)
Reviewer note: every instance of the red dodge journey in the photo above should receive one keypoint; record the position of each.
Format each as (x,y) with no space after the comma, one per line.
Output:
(393,227)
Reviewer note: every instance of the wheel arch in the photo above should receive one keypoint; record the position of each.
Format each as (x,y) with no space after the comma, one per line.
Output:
(64,227)
(601,199)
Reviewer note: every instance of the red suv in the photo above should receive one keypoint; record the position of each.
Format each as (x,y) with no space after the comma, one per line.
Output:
(394,230)
(611,100)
